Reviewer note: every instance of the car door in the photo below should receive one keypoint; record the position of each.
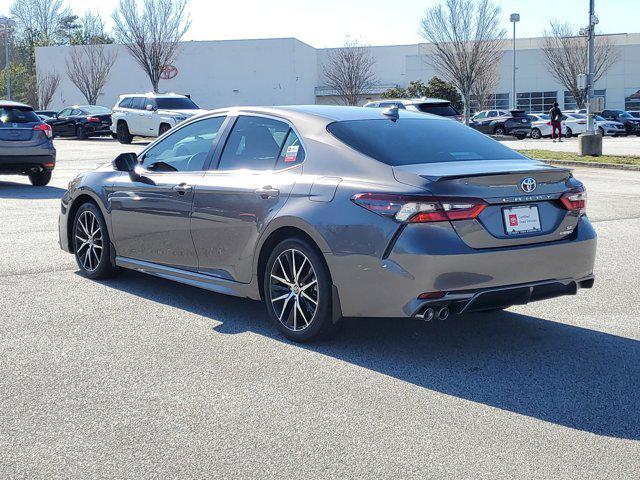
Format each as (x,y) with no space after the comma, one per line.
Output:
(149,122)
(151,208)
(136,117)
(61,124)
(258,165)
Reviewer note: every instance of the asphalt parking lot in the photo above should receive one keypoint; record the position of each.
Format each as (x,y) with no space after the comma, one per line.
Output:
(138,377)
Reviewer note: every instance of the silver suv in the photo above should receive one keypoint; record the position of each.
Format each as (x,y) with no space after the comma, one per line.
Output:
(150,114)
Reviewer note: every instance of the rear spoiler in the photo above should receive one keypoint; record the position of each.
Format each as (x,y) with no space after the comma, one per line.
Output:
(437,178)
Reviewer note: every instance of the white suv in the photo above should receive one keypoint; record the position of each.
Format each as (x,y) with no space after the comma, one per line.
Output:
(150,114)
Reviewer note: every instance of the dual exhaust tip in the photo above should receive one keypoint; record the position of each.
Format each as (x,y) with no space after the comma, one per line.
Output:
(429,313)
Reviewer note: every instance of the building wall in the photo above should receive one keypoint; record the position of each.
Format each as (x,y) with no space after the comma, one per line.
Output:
(287,71)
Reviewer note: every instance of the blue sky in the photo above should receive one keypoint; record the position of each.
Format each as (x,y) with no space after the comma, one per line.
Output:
(324,23)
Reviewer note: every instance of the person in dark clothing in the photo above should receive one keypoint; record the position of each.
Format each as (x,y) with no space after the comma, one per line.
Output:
(556,121)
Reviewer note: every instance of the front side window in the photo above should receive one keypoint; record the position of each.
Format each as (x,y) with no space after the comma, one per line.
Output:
(65,113)
(492,114)
(185,149)
(255,143)
(409,141)
(137,103)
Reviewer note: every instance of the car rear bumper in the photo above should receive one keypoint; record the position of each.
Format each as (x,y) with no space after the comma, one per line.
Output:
(24,164)
(433,258)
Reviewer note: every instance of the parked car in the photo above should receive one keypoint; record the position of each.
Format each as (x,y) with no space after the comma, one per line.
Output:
(574,123)
(501,122)
(46,113)
(26,146)
(82,122)
(436,106)
(328,211)
(609,127)
(631,123)
(150,115)
(541,125)
(634,113)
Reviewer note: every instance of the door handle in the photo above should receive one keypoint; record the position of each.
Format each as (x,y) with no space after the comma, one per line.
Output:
(267,192)
(182,188)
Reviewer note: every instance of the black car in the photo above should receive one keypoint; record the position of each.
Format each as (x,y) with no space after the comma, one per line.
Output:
(515,123)
(631,123)
(81,121)
(26,147)
(46,113)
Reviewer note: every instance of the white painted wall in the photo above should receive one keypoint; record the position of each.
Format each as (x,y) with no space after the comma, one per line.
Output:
(287,71)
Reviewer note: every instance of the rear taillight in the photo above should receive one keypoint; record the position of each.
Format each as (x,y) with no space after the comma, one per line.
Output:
(549,123)
(93,120)
(575,200)
(419,209)
(44,127)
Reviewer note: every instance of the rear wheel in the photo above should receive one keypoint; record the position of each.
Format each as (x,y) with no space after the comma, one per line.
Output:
(40,179)
(81,133)
(91,243)
(123,133)
(521,137)
(536,134)
(568,133)
(297,291)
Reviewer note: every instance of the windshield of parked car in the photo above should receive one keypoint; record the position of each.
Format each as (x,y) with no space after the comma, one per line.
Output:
(443,109)
(95,110)
(599,118)
(178,103)
(18,115)
(410,141)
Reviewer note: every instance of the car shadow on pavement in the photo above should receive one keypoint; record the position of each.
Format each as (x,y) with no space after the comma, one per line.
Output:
(559,373)
(25,190)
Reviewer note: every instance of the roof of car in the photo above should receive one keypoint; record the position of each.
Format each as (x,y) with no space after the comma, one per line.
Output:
(153,95)
(411,101)
(11,103)
(328,112)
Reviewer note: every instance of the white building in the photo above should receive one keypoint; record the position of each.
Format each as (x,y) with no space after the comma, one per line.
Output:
(288,71)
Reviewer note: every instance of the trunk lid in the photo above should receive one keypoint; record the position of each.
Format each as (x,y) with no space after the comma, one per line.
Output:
(501,185)
(18,132)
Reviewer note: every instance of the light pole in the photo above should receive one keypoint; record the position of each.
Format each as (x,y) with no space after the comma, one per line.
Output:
(7,22)
(515,18)
(592,25)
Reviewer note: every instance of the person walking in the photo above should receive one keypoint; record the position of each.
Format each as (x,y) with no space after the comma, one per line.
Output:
(556,122)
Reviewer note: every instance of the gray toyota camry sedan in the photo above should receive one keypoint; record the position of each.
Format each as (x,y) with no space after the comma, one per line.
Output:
(329,212)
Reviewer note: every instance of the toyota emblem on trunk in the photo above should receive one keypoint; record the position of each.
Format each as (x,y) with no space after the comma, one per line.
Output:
(528,184)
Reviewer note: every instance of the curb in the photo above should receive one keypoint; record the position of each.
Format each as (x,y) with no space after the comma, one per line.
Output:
(570,163)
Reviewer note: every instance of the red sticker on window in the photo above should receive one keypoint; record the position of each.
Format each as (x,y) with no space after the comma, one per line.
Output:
(292,154)
(513,220)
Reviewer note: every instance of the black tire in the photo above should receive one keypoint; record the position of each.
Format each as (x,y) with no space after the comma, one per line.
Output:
(123,133)
(521,137)
(40,179)
(81,133)
(96,263)
(320,322)
(164,128)
(568,133)
(499,130)
(601,131)
(536,134)
(114,136)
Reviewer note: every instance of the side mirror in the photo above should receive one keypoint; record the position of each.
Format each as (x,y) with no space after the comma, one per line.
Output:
(125,162)
(150,108)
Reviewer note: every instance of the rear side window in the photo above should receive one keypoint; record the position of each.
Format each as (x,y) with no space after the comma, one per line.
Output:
(410,141)
(291,152)
(18,115)
(255,143)
(176,103)
(443,110)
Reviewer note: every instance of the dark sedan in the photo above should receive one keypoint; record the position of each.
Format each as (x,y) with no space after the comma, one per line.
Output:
(515,123)
(82,122)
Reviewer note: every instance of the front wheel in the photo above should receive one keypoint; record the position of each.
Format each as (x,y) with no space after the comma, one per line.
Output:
(297,291)
(568,133)
(601,131)
(40,179)
(123,133)
(164,128)
(536,134)
(81,133)
(91,243)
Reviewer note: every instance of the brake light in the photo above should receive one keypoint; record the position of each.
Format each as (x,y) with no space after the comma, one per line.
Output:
(575,200)
(549,123)
(420,209)
(93,120)
(44,127)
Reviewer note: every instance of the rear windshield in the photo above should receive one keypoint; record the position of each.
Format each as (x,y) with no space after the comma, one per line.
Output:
(176,104)
(409,141)
(444,110)
(96,109)
(18,115)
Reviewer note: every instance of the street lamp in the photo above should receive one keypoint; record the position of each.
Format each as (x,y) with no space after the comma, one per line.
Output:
(515,18)
(7,23)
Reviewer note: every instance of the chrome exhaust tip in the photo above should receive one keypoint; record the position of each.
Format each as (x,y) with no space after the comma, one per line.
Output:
(427,314)
(443,313)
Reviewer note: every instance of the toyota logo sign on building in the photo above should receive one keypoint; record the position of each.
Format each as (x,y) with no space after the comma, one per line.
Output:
(169,72)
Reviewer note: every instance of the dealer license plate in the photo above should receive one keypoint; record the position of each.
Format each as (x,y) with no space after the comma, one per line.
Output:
(523,219)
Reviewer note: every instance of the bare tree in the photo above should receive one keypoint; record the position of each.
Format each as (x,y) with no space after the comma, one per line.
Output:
(40,21)
(485,87)
(47,86)
(566,56)
(152,35)
(349,71)
(88,67)
(466,39)
(91,30)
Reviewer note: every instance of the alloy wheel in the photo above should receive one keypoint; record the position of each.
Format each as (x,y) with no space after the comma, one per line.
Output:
(293,288)
(88,241)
